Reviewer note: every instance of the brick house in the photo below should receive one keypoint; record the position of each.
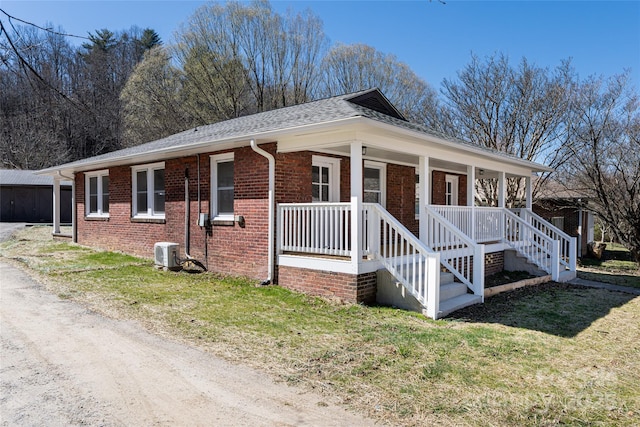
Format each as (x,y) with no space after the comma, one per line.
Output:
(272,196)
(568,210)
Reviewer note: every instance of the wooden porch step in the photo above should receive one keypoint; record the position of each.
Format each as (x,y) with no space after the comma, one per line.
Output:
(457,303)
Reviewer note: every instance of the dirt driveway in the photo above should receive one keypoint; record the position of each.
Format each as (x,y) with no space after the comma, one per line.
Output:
(63,365)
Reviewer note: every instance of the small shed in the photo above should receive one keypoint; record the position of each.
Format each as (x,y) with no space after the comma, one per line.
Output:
(27,197)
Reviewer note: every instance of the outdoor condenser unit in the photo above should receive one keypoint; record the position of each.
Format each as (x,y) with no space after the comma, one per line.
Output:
(166,255)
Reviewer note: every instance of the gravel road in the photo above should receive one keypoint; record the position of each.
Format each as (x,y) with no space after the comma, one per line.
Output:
(64,365)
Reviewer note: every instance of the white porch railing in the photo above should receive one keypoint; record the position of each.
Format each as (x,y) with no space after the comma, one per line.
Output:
(568,245)
(317,228)
(458,252)
(408,259)
(487,226)
(523,230)
(536,246)
(324,228)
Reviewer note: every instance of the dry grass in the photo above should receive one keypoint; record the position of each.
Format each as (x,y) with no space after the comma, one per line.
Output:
(615,267)
(545,355)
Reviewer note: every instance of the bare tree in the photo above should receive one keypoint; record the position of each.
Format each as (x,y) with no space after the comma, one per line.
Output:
(350,68)
(34,108)
(519,111)
(604,154)
(242,58)
(61,103)
(154,82)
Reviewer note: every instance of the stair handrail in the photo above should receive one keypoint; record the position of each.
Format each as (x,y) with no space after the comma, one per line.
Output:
(532,243)
(459,253)
(568,244)
(405,256)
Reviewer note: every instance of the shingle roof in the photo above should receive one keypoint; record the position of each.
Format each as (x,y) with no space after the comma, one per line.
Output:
(25,177)
(316,112)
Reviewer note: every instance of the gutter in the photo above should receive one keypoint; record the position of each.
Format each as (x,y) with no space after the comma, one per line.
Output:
(270,232)
(187,149)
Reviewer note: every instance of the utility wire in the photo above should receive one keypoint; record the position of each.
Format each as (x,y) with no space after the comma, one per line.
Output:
(50,30)
(25,64)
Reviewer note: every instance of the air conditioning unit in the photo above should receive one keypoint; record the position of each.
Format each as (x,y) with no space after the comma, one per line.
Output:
(166,255)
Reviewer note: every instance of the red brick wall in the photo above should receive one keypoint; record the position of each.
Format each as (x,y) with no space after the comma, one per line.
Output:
(548,210)
(293,177)
(346,287)
(244,250)
(493,263)
(118,232)
(401,191)
(438,188)
(231,249)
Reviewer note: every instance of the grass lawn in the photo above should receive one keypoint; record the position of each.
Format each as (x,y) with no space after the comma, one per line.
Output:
(546,355)
(615,267)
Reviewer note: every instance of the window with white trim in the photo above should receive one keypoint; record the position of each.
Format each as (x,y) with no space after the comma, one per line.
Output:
(222,186)
(96,185)
(148,196)
(325,179)
(375,174)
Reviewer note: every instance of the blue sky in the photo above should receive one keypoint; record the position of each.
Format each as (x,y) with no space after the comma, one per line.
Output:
(434,39)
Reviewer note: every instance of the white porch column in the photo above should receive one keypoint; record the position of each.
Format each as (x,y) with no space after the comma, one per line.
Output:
(471,185)
(56,205)
(74,211)
(502,190)
(529,192)
(356,205)
(424,196)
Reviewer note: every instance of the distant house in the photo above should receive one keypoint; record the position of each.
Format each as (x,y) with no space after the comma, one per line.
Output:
(321,198)
(567,210)
(27,197)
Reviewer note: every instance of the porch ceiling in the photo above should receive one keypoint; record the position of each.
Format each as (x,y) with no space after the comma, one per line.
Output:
(389,156)
(390,144)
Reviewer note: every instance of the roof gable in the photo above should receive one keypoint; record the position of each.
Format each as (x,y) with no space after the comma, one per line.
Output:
(376,101)
(368,104)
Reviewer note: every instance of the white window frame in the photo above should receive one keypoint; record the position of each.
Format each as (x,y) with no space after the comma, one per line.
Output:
(455,187)
(87,188)
(215,159)
(333,164)
(382,167)
(149,213)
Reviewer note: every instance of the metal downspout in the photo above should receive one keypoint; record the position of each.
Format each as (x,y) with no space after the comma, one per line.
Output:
(270,233)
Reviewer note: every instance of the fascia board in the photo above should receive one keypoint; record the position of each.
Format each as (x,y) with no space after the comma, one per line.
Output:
(474,151)
(193,148)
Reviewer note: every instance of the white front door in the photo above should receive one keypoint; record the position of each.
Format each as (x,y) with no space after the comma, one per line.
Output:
(325,179)
(375,174)
(451,190)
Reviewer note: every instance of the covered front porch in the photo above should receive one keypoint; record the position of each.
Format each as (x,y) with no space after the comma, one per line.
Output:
(450,240)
